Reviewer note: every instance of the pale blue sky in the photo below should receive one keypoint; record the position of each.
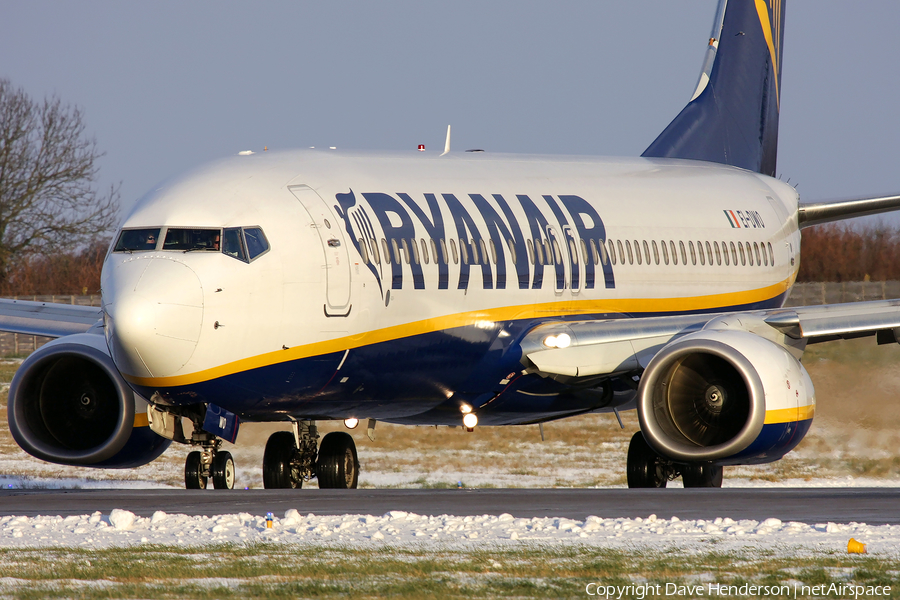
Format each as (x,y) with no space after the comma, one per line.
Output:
(166,85)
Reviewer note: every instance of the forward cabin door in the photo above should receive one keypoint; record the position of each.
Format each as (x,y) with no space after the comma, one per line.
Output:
(336,258)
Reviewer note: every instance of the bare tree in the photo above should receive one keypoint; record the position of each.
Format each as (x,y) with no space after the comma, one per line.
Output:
(48,171)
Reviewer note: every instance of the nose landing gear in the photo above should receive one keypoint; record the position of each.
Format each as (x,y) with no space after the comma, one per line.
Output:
(210,462)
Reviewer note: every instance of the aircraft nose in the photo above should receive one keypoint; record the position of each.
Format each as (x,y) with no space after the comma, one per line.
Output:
(154,316)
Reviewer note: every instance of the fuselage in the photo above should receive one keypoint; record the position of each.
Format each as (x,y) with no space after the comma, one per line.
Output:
(391,286)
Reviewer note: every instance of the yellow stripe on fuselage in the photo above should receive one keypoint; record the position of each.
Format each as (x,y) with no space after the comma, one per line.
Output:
(504,313)
(790,415)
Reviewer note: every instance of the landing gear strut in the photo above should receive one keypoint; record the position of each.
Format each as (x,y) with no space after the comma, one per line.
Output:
(292,458)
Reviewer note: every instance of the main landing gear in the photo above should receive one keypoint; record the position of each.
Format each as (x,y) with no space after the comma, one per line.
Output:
(291,458)
(647,469)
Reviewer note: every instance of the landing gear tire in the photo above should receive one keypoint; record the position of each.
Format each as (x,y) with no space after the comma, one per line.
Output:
(338,465)
(194,479)
(645,468)
(702,475)
(222,471)
(278,470)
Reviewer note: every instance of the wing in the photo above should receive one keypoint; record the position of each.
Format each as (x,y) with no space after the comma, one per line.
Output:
(618,346)
(46,318)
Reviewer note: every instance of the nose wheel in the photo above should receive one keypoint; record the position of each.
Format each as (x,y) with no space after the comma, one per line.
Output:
(209,463)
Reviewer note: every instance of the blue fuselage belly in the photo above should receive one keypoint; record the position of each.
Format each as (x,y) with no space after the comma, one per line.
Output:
(420,379)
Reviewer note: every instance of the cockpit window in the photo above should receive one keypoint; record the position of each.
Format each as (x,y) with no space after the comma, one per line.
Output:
(206,240)
(131,240)
(233,243)
(256,241)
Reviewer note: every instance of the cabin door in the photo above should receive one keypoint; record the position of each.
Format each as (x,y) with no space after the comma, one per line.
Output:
(336,258)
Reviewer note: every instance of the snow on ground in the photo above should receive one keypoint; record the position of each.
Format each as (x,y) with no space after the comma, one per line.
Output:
(396,528)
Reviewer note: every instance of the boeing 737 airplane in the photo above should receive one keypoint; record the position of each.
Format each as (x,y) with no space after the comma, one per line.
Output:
(466,289)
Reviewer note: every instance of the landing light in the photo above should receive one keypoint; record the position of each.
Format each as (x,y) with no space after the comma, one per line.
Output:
(465,409)
(351,423)
(563,340)
(470,421)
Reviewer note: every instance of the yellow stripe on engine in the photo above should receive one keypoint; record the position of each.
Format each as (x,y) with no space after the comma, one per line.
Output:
(141,420)
(790,415)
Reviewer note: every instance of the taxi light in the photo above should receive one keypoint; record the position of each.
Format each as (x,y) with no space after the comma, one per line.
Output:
(470,420)
(563,340)
(465,409)
(351,423)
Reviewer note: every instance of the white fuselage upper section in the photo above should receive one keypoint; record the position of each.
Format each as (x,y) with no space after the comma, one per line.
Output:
(368,248)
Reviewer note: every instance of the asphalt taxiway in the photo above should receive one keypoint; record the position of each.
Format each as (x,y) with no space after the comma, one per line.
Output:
(874,506)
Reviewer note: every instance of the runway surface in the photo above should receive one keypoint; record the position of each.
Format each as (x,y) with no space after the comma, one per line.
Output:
(874,506)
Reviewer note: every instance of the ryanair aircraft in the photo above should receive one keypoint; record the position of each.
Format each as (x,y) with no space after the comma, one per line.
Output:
(465,289)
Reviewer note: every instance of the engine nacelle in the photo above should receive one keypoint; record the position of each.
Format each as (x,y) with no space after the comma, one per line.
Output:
(69,405)
(726,397)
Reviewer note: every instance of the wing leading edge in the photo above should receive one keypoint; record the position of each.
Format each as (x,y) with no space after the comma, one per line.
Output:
(46,318)
(620,346)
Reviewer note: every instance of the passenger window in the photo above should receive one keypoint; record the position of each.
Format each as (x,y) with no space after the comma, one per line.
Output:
(374,245)
(425,256)
(137,239)
(484,254)
(539,252)
(464,252)
(387,252)
(396,255)
(734,258)
(415,251)
(557,254)
(612,252)
(443,250)
(655,252)
(530,249)
(771,255)
(749,254)
(594,255)
(700,252)
(362,248)
(434,251)
(725,253)
(756,252)
(693,253)
(512,250)
(584,252)
(665,251)
(743,256)
(709,253)
(573,251)
(453,248)
(683,255)
(630,255)
(233,243)
(718,254)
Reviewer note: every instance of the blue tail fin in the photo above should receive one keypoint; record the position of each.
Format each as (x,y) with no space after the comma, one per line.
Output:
(733,117)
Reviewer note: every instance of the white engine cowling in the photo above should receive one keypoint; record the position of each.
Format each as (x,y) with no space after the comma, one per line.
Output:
(69,405)
(726,397)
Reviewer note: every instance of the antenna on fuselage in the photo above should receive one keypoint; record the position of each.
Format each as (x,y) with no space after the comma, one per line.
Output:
(447,143)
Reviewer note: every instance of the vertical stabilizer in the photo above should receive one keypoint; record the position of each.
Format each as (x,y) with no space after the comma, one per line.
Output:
(733,117)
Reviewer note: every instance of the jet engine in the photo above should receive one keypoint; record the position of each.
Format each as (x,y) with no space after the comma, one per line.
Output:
(724,397)
(69,405)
